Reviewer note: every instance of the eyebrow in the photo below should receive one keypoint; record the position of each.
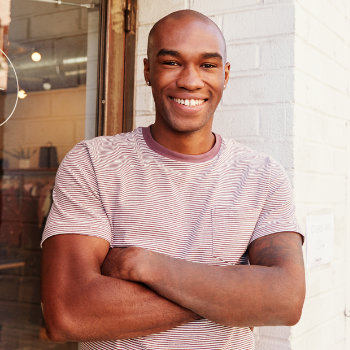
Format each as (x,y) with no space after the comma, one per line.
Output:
(165,52)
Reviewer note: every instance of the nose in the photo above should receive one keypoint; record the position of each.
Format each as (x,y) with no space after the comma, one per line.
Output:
(189,78)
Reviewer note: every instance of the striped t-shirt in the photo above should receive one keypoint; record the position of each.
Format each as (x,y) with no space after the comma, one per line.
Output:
(131,191)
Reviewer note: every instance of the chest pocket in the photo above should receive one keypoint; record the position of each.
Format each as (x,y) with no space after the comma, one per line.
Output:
(232,229)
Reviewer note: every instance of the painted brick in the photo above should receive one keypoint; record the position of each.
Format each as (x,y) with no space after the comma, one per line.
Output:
(332,306)
(144,100)
(326,13)
(222,6)
(277,1)
(319,65)
(309,92)
(290,119)
(142,38)
(321,37)
(271,88)
(302,21)
(319,188)
(339,345)
(273,122)
(342,101)
(322,337)
(259,23)
(139,69)
(341,159)
(282,151)
(301,87)
(336,132)
(144,120)
(277,53)
(309,125)
(342,53)
(243,122)
(267,338)
(322,279)
(314,157)
(243,57)
(156,9)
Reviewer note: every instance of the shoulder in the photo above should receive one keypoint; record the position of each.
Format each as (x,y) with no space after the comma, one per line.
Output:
(104,147)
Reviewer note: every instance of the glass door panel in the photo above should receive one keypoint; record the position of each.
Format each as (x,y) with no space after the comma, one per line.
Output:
(48,88)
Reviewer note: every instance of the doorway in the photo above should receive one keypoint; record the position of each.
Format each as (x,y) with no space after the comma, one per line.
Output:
(55,80)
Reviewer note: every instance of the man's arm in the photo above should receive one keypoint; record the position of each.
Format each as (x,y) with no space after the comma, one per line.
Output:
(81,304)
(270,291)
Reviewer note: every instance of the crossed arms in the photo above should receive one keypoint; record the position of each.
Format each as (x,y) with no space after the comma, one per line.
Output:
(92,293)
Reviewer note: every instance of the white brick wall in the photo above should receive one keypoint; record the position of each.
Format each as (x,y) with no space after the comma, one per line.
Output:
(322,109)
(289,96)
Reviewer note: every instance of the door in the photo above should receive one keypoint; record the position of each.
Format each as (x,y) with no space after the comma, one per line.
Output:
(55,90)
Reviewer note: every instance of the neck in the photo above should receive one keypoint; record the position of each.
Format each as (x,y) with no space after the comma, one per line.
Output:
(197,142)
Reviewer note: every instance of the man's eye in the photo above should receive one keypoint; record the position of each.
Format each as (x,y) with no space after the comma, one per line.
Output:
(208,65)
(170,63)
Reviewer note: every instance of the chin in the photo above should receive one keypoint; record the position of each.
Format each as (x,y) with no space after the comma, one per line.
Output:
(188,126)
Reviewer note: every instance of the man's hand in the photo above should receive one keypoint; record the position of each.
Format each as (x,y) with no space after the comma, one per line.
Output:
(134,264)
(123,263)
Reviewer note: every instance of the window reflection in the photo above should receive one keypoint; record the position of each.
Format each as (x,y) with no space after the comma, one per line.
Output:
(54,50)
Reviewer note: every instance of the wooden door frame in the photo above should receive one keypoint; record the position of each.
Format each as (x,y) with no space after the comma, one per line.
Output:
(115,100)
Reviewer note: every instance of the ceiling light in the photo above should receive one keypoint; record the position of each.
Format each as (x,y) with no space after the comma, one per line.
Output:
(75,60)
(47,84)
(22,94)
(36,56)
(75,72)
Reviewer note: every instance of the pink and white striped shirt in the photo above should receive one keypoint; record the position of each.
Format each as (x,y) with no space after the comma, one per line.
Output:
(131,191)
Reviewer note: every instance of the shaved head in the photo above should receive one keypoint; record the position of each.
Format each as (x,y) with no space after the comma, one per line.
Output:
(175,18)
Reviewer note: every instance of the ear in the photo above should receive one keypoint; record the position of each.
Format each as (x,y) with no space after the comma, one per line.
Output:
(227,73)
(146,69)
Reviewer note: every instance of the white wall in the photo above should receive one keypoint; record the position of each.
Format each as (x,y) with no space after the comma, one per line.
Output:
(289,96)
(321,143)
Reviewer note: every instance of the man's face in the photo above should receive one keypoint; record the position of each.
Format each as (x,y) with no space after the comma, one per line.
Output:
(187,73)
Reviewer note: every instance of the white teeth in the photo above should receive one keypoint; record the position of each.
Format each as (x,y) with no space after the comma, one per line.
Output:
(192,102)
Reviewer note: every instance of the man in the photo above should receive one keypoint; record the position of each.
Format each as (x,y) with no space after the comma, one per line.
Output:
(182,209)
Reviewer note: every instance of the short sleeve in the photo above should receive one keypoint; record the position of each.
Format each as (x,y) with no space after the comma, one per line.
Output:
(278,211)
(77,207)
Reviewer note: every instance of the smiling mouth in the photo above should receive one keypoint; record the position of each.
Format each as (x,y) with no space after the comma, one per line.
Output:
(188,102)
